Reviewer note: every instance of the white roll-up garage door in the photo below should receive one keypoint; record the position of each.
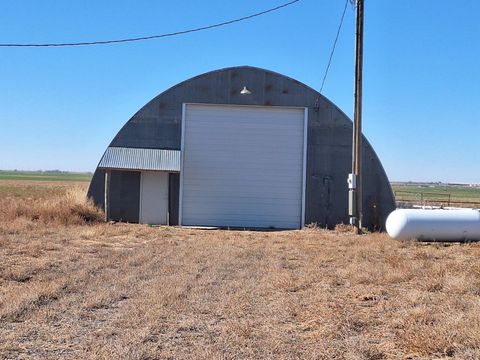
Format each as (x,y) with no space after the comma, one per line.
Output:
(242,166)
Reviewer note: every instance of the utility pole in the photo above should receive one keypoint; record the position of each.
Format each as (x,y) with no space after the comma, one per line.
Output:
(355,178)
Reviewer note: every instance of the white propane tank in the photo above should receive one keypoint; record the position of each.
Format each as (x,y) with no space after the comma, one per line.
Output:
(434,225)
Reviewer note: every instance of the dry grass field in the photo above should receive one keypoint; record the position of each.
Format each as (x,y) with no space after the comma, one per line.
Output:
(75,288)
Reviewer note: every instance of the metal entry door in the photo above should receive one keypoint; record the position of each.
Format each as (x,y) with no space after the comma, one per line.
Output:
(154,198)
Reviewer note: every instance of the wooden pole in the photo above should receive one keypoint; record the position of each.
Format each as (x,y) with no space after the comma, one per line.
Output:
(357,121)
(107,195)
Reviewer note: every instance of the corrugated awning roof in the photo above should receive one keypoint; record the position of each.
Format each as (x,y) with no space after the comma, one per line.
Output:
(141,159)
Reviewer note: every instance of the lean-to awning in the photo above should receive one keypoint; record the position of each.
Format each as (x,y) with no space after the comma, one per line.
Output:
(141,159)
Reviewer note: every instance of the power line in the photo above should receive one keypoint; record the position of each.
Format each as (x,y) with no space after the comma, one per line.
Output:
(334,45)
(142,38)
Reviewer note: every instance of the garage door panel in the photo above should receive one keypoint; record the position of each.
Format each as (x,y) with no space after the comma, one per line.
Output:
(259,212)
(242,166)
(261,191)
(263,129)
(246,149)
(224,132)
(248,146)
(274,166)
(209,156)
(244,188)
(245,122)
(240,178)
(245,219)
(249,164)
(247,199)
(234,221)
(264,210)
(267,111)
(274,197)
(234,142)
(212,173)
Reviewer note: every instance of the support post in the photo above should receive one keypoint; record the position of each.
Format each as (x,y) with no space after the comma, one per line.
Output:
(356,196)
(107,195)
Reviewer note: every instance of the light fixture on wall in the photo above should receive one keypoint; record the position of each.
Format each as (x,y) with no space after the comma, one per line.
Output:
(245,91)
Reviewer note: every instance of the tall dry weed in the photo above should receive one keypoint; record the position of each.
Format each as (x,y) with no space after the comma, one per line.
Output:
(70,208)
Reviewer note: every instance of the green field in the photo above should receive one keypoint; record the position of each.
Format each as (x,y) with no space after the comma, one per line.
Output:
(44,176)
(40,184)
(435,192)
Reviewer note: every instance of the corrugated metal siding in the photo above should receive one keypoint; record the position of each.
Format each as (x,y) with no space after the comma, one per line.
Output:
(141,159)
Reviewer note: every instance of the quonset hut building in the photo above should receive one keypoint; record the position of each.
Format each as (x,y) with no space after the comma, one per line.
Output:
(238,147)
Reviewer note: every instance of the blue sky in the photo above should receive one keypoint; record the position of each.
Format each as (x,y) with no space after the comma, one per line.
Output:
(60,107)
